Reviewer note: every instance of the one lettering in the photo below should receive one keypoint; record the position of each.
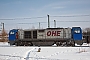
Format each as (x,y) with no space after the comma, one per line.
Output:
(53,33)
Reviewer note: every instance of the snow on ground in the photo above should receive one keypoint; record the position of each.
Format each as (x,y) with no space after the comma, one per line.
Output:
(13,53)
(62,53)
(2,44)
(46,53)
(84,44)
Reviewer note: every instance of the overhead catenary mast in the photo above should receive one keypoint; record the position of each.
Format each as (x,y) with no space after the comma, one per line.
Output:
(2,31)
(54,23)
(39,25)
(48,22)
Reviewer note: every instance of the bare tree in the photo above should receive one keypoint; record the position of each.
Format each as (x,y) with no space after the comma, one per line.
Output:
(3,36)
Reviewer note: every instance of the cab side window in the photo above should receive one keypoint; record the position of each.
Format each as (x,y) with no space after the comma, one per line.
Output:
(11,32)
(77,31)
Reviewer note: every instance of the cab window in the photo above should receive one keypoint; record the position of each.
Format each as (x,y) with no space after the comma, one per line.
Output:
(77,31)
(11,32)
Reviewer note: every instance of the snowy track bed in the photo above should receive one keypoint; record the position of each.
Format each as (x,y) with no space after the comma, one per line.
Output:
(62,53)
(46,53)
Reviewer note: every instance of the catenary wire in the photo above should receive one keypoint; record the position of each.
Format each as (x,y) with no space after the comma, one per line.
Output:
(45,17)
(56,22)
(72,16)
(24,18)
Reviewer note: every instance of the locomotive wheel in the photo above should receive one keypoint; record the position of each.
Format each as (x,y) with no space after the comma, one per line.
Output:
(58,43)
(17,44)
(71,43)
(27,43)
(30,44)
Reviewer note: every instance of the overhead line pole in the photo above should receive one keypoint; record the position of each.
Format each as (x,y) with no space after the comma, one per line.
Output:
(3,27)
(39,25)
(54,23)
(48,22)
(2,31)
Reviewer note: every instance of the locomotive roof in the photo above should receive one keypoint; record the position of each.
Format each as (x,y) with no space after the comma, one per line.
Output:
(44,29)
(33,29)
(56,28)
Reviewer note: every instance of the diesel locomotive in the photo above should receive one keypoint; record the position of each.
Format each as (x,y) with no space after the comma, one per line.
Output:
(46,37)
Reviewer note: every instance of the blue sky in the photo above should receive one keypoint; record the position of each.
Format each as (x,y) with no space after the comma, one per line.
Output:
(14,9)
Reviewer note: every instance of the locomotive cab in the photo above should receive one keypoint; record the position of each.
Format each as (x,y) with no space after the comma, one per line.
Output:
(13,36)
(77,35)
